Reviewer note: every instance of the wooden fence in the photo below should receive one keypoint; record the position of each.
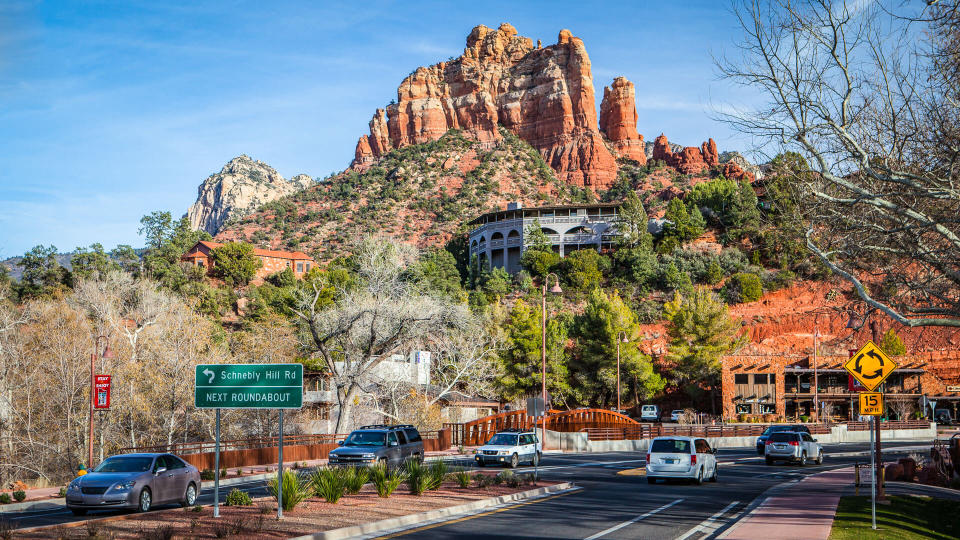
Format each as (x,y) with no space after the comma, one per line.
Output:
(265,450)
(478,431)
(908,424)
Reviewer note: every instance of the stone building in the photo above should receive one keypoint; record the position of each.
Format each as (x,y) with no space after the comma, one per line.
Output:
(272,261)
(498,239)
(782,385)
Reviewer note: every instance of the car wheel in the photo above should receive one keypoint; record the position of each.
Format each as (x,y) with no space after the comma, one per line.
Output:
(769,461)
(803,459)
(651,480)
(536,459)
(190,497)
(145,501)
(514,461)
(699,479)
(716,473)
(78,511)
(819,457)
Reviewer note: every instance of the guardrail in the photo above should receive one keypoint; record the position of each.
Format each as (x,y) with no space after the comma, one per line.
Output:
(908,424)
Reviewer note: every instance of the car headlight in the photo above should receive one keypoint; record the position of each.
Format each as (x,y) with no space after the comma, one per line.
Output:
(368,456)
(503,452)
(124,486)
(74,486)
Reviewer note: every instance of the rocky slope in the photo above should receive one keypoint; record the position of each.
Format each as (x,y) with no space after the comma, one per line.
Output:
(544,95)
(242,186)
(421,193)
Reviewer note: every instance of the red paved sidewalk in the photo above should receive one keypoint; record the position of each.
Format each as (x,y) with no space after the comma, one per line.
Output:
(803,510)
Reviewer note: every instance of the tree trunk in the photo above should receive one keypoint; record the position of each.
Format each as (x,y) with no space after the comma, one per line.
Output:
(346,407)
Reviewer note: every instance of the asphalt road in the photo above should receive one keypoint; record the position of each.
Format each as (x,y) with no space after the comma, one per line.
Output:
(607,505)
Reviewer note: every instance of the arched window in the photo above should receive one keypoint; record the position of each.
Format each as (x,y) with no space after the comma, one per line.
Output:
(514,234)
(547,230)
(580,229)
(497,236)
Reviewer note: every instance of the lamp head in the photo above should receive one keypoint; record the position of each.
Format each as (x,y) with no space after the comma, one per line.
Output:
(108,353)
(556,289)
(851,322)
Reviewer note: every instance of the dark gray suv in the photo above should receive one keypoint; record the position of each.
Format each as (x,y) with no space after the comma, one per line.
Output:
(380,443)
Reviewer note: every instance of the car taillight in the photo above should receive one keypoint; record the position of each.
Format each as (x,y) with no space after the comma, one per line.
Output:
(693,459)
(769,442)
(648,458)
(794,443)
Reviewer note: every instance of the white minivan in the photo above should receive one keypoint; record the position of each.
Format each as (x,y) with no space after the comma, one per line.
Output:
(690,458)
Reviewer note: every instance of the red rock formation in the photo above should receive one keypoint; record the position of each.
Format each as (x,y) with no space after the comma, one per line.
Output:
(709,151)
(662,151)
(618,120)
(733,171)
(689,161)
(544,95)
(363,155)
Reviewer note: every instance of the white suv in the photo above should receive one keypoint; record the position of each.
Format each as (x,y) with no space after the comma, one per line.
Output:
(791,446)
(681,457)
(510,447)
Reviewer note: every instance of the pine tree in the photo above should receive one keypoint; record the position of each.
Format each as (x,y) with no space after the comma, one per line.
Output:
(632,225)
(521,356)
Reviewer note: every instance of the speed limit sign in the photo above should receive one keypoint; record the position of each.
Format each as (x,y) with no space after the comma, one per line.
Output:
(871,403)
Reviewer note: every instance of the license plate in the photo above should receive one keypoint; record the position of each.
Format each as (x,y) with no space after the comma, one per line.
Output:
(780,446)
(670,461)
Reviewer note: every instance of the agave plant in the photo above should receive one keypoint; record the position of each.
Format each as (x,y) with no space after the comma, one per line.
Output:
(386,480)
(295,490)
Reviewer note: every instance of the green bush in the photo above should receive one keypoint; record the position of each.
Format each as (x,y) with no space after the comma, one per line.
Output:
(238,498)
(356,477)
(330,483)
(743,287)
(714,273)
(5,498)
(19,495)
(418,476)
(62,493)
(386,480)
(295,490)
(437,474)
(207,474)
(462,477)
(482,480)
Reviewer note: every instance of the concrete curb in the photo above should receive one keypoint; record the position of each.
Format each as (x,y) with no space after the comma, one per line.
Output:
(60,503)
(432,515)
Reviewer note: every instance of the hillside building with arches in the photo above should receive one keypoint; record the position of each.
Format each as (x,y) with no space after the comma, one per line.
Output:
(498,239)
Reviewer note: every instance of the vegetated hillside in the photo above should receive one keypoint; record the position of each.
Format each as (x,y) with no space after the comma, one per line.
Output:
(422,193)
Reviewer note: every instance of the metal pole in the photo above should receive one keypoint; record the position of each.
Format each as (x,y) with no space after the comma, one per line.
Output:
(280,472)
(816,382)
(873,480)
(93,358)
(876,448)
(216,470)
(543,370)
(618,373)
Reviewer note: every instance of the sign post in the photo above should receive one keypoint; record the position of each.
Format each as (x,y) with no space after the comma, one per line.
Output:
(870,366)
(248,386)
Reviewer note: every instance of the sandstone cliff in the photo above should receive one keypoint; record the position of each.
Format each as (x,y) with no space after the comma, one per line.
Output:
(242,186)
(618,120)
(544,95)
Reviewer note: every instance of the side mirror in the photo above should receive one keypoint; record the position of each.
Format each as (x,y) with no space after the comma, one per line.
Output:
(160,470)
(340,443)
(814,440)
(394,443)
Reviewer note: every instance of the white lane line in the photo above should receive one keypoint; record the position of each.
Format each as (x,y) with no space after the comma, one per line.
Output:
(709,525)
(634,520)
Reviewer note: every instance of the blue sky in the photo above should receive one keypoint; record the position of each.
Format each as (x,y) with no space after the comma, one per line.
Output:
(110,110)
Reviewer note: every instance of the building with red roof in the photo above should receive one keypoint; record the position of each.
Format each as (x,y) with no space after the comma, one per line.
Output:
(273,261)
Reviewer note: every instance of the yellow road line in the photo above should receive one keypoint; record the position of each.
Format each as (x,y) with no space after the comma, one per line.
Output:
(482,514)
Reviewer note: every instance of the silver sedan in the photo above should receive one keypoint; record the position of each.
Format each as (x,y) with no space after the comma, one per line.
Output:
(134,481)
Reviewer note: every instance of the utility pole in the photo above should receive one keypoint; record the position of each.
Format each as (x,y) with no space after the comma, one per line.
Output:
(816,382)
(621,338)
(543,351)
(875,330)
(107,353)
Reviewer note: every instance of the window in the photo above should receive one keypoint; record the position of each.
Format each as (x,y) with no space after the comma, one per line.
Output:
(743,408)
(299,267)
(702,446)
(391,438)
(773,378)
(768,408)
(401,436)
(740,378)
(670,446)
(784,436)
(526,439)
(308,267)
(759,378)
(413,435)
(174,462)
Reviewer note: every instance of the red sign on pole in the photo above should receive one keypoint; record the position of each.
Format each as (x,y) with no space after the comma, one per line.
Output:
(101,392)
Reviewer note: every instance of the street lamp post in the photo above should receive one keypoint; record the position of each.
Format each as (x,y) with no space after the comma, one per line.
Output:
(107,353)
(621,338)
(543,349)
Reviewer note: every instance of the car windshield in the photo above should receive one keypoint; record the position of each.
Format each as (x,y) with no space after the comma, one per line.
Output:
(670,446)
(503,439)
(366,438)
(774,429)
(783,437)
(125,464)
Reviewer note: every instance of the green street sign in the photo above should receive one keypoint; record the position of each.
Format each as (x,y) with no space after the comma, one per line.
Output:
(248,386)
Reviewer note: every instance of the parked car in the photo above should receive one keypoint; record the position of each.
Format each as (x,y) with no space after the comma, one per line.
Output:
(793,447)
(943,417)
(391,445)
(762,439)
(650,413)
(137,481)
(510,447)
(675,415)
(681,457)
